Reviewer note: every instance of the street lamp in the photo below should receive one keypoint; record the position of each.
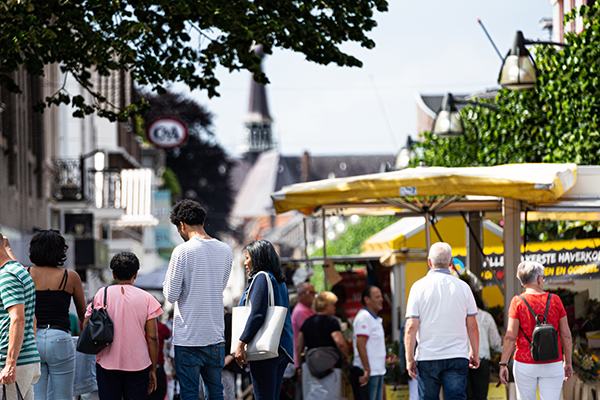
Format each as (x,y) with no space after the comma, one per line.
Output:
(448,123)
(518,69)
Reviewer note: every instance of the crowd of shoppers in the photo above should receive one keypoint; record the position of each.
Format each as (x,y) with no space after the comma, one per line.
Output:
(447,340)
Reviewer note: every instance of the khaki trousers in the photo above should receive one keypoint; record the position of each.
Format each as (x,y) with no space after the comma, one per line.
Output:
(27,375)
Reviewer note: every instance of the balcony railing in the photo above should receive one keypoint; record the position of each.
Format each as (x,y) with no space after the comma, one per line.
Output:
(71,182)
(67,182)
(129,190)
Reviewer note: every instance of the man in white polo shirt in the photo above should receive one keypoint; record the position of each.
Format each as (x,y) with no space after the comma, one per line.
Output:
(369,346)
(440,316)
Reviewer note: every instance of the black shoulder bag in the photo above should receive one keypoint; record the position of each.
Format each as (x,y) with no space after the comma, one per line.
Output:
(99,331)
(544,339)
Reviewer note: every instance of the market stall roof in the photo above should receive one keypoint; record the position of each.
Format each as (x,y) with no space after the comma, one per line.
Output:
(533,183)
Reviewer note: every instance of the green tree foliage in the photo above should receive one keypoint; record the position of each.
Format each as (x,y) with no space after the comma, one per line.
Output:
(558,121)
(200,166)
(348,244)
(161,41)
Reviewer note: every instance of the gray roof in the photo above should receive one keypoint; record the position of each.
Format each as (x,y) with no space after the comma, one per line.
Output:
(272,171)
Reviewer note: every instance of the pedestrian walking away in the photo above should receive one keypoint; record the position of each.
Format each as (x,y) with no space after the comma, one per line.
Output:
(19,357)
(126,368)
(54,288)
(441,316)
(196,278)
(531,376)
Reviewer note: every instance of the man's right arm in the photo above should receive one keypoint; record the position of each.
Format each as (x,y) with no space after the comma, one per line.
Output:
(15,341)
(174,278)
(410,340)
(361,347)
(473,332)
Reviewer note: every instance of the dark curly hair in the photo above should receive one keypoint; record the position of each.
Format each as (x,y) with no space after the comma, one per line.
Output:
(188,211)
(265,258)
(124,265)
(48,248)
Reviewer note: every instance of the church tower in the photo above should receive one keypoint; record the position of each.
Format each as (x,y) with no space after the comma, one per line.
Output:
(259,137)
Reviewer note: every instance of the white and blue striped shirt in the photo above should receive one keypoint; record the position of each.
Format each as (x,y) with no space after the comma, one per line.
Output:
(196,278)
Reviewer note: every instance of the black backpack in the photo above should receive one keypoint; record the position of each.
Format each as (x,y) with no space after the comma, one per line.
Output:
(544,339)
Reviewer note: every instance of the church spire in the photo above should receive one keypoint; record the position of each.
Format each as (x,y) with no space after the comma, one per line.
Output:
(259,137)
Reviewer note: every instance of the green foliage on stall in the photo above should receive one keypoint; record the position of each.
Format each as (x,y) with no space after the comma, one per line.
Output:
(349,243)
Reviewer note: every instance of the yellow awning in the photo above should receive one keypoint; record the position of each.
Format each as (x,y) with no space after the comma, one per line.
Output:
(528,182)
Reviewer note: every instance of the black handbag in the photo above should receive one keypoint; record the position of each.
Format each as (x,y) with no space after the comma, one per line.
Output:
(321,361)
(19,395)
(99,331)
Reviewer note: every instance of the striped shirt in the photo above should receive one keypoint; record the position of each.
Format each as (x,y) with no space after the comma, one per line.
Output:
(196,278)
(17,287)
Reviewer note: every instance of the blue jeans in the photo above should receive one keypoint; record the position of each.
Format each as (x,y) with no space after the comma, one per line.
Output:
(375,386)
(450,373)
(57,353)
(267,376)
(191,362)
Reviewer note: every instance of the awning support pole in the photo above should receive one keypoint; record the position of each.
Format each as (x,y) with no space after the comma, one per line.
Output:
(396,281)
(309,264)
(511,214)
(427,231)
(324,251)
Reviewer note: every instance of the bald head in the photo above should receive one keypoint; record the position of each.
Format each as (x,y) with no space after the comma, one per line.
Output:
(306,294)
(440,255)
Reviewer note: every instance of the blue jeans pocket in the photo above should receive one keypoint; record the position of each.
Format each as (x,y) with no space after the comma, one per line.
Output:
(426,365)
(189,358)
(219,353)
(62,349)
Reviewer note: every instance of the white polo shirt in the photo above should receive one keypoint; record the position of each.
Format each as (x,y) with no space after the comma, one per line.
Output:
(442,303)
(368,324)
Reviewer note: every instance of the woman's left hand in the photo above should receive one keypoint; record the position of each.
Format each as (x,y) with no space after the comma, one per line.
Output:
(240,354)
(152,382)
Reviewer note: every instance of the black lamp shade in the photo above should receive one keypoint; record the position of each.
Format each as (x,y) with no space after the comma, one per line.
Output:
(518,69)
(448,123)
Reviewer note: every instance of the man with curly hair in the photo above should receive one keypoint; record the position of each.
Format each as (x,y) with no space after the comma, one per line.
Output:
(195,281)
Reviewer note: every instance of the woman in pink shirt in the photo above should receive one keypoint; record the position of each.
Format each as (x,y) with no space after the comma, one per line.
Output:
(127,367)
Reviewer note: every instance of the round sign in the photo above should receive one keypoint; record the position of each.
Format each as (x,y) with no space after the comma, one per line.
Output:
(167,133)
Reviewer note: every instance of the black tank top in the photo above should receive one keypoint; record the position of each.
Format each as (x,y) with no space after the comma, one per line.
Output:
(52,306)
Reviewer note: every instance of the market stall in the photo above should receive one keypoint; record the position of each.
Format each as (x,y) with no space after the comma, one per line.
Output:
(512,193)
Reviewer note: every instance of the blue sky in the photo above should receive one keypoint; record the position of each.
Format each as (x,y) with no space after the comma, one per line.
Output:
(427,46)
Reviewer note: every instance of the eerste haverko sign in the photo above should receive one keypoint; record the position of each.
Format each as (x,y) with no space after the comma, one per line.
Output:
(167,133)
(564,261)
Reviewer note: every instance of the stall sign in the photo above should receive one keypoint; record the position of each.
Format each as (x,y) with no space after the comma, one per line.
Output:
(563,261)
(354,282)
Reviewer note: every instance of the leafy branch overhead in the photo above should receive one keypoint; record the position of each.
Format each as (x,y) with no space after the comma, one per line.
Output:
(558,121)
(162,41)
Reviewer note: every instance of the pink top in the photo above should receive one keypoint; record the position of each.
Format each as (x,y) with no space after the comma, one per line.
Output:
(129,308)
(299,315)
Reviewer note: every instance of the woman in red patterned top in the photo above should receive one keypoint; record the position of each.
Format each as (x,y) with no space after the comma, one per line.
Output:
(529,374)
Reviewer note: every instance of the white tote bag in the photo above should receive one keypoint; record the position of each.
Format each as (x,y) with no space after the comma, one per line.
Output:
(265,343)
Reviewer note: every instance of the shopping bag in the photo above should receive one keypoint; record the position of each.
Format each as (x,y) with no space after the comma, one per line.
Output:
(265,344)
